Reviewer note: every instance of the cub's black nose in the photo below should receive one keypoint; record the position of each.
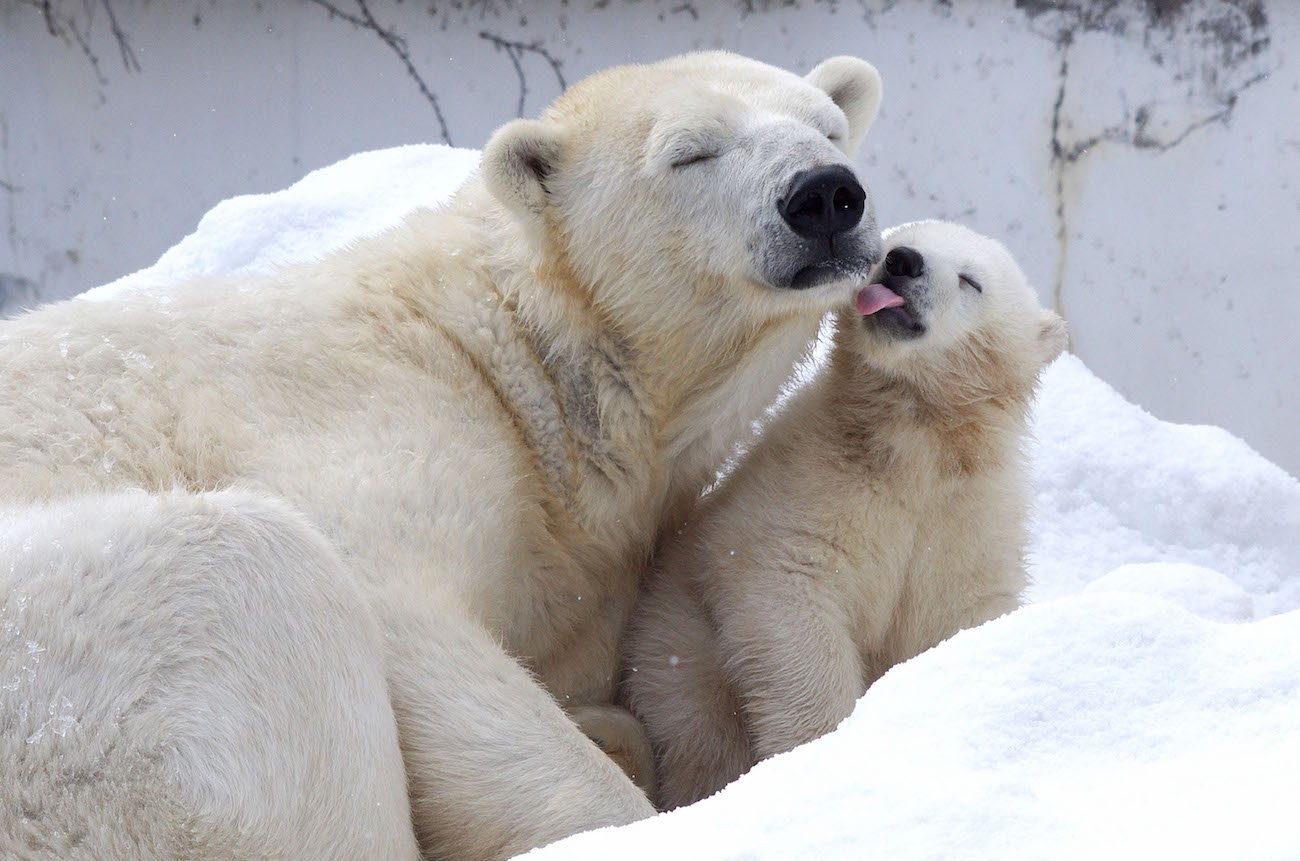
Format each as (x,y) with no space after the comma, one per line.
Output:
(904,262)
(823,201)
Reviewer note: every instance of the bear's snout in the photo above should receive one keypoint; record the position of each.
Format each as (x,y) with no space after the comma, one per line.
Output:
(823,201)
(904,262)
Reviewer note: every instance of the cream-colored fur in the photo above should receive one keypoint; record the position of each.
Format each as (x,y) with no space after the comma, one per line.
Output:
(293,563)
(190,676)
(882,510)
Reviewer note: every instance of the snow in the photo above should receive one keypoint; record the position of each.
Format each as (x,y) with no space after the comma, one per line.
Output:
(1202,591)
(1146,703)
(1116,485)
(1098,726)
(358,196)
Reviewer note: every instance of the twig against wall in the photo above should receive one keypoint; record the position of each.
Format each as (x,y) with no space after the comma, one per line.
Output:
(515,51)
(365,20)
(76,27)
(123,43)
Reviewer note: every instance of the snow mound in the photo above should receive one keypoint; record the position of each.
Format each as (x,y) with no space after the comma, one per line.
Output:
(1202,591)
(1114,717)
(358,196)
(1104,726)
(1116,485)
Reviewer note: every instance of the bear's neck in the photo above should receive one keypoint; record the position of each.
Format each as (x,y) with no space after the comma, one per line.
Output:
(636,418)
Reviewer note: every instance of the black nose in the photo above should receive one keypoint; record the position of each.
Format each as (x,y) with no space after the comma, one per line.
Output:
(904,262)
(823,201)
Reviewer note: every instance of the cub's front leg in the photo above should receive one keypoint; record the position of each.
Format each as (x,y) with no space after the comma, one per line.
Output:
(676,686)
(787,649)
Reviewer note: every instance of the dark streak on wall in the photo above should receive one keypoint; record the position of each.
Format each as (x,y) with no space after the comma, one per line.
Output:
(1238,27)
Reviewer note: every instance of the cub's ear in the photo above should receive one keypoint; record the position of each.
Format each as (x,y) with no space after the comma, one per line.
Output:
(519,160)
(1053,337)
(854,86)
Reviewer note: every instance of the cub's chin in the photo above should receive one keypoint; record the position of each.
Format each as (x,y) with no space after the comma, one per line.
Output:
(887,313)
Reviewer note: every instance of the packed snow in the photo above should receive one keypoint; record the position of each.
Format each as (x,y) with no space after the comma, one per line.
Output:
(1144,704)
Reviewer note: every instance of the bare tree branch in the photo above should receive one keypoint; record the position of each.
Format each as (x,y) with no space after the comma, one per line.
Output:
(76,29)
(123,43)
(515,51)
(366,21)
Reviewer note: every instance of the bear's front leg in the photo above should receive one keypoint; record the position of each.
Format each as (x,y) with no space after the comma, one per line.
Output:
(494,765)
(616,731)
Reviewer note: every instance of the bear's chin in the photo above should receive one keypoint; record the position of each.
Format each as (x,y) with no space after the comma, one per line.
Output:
(822,273)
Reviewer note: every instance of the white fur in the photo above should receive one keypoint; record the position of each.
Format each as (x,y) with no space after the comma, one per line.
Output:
(190,676)
(400,497)
(881,511)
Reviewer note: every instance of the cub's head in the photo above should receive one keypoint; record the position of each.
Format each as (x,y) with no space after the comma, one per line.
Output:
(703,180)
(948,306)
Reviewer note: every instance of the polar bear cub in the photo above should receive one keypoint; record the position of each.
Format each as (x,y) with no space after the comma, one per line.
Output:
(882,511)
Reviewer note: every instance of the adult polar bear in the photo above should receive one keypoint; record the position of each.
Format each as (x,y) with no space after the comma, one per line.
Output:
(283,554)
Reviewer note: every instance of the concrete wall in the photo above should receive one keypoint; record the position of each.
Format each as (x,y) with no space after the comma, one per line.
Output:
(1142,157)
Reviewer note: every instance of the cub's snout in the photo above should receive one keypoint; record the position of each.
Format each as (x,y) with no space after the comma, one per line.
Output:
(905,262)
(896,301)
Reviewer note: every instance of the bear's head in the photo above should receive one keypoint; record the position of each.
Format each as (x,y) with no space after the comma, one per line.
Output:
(950,307)
(706,179)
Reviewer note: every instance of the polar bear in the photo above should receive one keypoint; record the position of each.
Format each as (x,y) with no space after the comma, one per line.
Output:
(882,510)
(291,564)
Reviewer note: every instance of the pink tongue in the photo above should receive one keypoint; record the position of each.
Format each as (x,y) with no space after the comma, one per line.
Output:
(873,297)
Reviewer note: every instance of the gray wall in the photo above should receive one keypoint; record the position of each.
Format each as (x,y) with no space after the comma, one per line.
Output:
(1142,158)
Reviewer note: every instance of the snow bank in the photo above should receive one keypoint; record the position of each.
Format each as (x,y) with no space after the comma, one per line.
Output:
(358,196)
(1106,726)
(1116,486)
(1117,716)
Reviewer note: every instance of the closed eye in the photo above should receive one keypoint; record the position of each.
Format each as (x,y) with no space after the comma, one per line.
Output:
(694,158)
(970,282)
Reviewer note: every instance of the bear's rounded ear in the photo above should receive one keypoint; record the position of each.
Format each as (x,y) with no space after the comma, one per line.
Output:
(519,160)
(1053,337)
(854,86)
